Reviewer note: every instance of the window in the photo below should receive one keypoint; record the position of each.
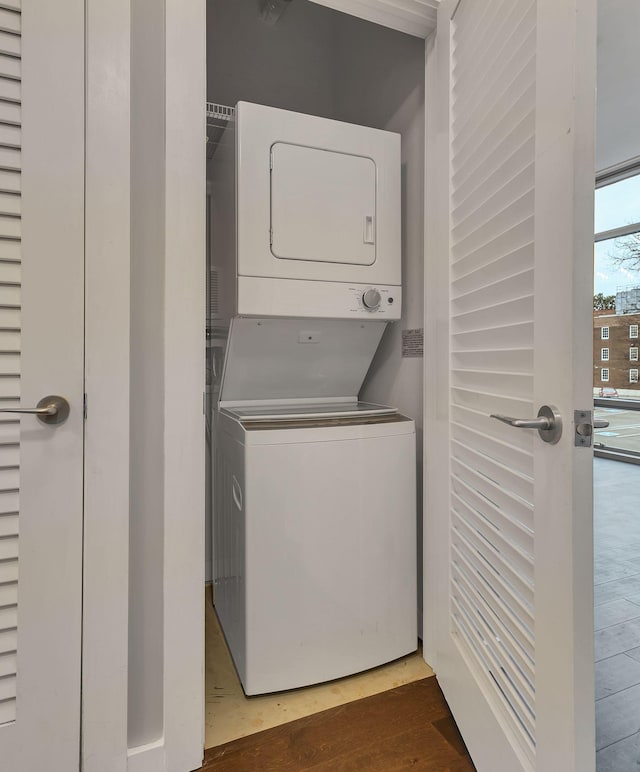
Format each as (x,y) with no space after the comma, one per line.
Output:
(633,354)
(604,374)
(633,376)
(604,354)
(617,204)
(616,212)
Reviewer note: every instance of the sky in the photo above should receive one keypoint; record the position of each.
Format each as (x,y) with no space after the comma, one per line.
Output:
(616,205)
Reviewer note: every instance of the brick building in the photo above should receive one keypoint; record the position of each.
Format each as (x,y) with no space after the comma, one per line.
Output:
(615,350)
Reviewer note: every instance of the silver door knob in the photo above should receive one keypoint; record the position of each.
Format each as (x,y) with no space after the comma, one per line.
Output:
(548,423)
(50,410)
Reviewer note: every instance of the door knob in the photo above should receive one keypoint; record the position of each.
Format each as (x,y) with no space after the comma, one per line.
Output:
(50,410)
(548,423)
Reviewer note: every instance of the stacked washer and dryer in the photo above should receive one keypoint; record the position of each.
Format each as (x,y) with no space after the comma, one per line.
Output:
(314,512)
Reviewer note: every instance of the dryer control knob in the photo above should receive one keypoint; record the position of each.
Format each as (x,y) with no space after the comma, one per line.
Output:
(371,299)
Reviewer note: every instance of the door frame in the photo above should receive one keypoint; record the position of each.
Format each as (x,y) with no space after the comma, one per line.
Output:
(179,743)
(176,743)
(107,372)
(436,335)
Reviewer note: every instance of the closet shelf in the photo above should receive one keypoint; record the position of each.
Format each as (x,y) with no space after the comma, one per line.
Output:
(218,118)
(219,113)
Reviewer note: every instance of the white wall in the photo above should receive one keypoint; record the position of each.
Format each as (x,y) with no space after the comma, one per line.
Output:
(286,65)
(618,133)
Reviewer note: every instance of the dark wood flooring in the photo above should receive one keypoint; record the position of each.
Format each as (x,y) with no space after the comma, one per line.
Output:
(410,727)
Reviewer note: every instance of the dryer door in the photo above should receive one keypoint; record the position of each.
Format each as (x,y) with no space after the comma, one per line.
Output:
(323,205)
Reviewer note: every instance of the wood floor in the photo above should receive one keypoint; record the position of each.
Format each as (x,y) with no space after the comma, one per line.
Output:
(229,714)
(409,727)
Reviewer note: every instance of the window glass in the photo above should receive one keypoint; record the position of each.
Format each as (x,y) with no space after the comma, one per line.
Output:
(616,289)
(610,276)
(618,204)
(623,431)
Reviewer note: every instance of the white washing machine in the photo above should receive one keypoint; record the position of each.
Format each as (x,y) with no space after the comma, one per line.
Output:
(317,535)
(315,529)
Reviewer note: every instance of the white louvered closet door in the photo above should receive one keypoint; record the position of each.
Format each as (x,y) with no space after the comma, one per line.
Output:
(41,353)
(514,618)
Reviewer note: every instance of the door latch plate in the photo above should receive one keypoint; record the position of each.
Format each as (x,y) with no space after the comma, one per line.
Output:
(583,423)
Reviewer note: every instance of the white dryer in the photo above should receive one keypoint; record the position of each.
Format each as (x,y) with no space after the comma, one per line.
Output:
(306,217)
(315,534)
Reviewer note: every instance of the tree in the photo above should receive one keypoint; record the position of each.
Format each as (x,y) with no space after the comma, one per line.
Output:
(627,252)
(604,302)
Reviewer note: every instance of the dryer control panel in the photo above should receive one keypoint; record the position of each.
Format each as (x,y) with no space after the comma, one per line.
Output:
(376,300)
(258,296)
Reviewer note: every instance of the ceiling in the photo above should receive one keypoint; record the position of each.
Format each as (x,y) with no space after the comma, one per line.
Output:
(618,132)
(618,113)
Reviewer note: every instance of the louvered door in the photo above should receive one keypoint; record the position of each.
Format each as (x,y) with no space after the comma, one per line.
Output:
(41,353)
(513,647)
(10,229)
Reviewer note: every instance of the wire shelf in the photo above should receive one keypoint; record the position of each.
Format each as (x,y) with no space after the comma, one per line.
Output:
(218,112)
(218,118)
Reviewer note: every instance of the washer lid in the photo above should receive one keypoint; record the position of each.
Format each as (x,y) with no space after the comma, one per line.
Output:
(297,359)
(301,411)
